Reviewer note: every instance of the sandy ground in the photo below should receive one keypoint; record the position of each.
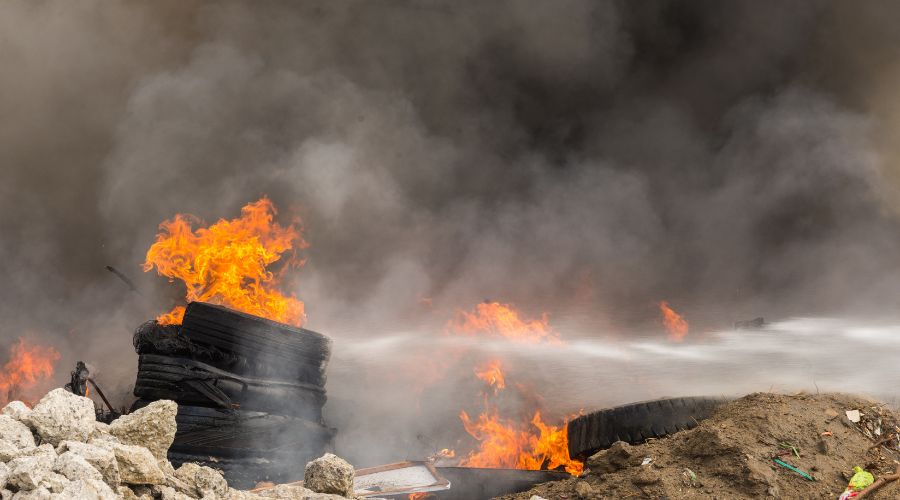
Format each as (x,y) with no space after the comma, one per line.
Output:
(731,454)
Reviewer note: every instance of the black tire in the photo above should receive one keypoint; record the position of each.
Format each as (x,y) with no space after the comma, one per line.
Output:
(193,383)
(221,433)
(636,422)
(273,350)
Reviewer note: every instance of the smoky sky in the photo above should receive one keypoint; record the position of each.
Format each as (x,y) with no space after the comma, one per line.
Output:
(734,158)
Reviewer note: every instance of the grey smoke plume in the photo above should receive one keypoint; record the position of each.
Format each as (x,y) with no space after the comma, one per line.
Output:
(587,159)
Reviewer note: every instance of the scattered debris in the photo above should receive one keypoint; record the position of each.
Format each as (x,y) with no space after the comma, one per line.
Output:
(792,468)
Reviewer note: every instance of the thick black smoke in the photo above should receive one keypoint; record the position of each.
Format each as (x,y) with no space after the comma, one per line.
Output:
(582,158)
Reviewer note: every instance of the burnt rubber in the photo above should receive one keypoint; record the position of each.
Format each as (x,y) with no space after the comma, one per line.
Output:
(636,422)
(193,383)
(241,434)
(271,349)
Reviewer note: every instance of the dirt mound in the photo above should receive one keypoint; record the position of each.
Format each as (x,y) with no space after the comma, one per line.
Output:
(731,455)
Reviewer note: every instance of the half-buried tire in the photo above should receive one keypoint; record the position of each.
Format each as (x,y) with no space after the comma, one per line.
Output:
(637,422)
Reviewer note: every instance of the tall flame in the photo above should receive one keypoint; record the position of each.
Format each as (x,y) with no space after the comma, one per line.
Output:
(675,324)
(228,262)
(496,319)
(28,365)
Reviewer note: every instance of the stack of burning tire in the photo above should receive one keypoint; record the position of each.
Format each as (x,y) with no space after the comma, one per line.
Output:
(250,391)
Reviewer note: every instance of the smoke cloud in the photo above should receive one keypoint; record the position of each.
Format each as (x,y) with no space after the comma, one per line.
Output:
(587,159)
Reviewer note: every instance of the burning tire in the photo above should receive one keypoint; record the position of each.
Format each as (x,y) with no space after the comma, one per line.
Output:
(198,384)
(271,349)
(636,422)
(250,391)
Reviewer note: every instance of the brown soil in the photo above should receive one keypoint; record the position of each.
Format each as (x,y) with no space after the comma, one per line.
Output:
(731,454)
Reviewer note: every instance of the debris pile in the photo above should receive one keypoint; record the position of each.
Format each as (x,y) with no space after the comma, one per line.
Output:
(59,451)
(760,446)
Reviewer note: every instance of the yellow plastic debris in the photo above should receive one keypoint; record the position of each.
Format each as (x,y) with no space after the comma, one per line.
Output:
(861,479)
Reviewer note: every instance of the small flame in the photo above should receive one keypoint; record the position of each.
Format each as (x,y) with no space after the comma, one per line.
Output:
(675,324)
(492,375)
(420,496)
(495,319)
(29,364)
(227,262)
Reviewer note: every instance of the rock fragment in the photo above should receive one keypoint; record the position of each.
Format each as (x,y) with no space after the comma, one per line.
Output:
(15,432)
(137,465)
(74,466)
(61,415)
(27,472)
(152,427)
(8,451)
(87,489)
(102,459)
(203,481)
(17,410)
(329,474)
(35,494)
(54,482)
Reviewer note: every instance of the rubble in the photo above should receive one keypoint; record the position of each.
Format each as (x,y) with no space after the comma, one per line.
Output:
(17,410)
(79,458)
(61,415)
(152,427)
(329,474)
(15,432)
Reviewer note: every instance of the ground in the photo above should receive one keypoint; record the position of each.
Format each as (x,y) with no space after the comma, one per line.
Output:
(731,454)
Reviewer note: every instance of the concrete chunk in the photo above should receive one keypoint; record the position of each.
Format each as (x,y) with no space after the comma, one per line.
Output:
(61,415)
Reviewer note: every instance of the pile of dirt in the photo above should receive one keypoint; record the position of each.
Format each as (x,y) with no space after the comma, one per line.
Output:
(731,455)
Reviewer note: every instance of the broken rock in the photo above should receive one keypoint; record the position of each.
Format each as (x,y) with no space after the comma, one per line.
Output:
(87,489)
(74,467)
(17,410)
(137,465)
(27,472)
(152,427)
(329,474)
(54,482)
(8,451)
(4,474)
(35,494)
(203,481)
(102,459)
(15,432)
(61,415)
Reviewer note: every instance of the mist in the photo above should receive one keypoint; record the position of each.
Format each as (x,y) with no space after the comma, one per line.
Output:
(584,159)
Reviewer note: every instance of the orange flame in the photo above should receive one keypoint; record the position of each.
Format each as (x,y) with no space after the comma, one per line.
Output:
(675,324)
(495,319)
(506,444)
(492,375)
(227,262)
(28,365)
(420,496)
